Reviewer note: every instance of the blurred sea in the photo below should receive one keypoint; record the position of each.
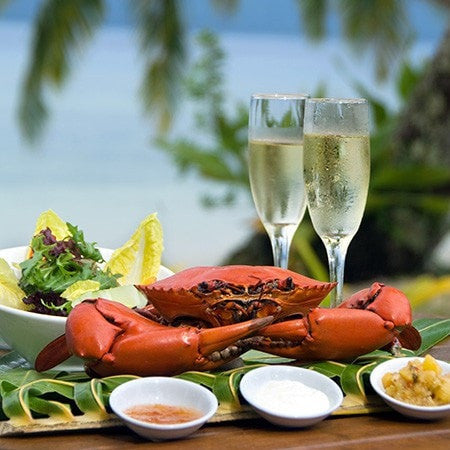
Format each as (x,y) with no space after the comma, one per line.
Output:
(96,166)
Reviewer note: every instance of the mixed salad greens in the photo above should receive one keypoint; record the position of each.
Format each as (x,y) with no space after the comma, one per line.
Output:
(56,265)
(62,268)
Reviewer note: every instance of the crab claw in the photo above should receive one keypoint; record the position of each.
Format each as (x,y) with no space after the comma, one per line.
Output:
(116,340)
(392,305)
(368,320)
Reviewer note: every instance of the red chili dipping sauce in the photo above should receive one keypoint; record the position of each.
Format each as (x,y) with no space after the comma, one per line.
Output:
(163,414)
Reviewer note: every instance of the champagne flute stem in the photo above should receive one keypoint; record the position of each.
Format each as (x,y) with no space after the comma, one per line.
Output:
(280,238)
(336,252)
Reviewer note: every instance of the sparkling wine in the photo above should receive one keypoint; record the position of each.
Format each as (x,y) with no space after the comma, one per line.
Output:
(276,179)
(336,171)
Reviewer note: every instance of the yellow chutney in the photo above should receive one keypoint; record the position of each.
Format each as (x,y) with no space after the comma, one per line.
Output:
(419,383)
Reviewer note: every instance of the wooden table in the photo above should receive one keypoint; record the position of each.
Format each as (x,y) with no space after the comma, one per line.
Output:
(377,431)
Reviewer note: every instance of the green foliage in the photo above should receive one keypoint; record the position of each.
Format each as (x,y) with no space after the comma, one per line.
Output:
(408,202)
(227,6)
(222,158)
(432,332)
(27,396)
(63,27)
(3,3)
(61,30)
(394,187)
(161,38)
(381,27)
(407,184)
(313,15)
(56,265)
(49,271)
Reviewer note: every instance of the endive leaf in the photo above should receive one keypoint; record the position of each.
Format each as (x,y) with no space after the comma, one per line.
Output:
(139,259)
(49,219)
(79,288)
(10,292)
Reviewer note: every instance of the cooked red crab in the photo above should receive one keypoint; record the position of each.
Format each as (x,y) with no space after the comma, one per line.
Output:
(117,340)
(228,294)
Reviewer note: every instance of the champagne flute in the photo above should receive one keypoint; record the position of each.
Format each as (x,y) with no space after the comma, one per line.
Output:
(336,171)
(276,167)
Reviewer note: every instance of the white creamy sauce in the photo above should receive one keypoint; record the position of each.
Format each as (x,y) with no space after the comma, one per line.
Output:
(291,398)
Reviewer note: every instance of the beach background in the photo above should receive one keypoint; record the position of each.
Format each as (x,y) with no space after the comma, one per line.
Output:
(96,164)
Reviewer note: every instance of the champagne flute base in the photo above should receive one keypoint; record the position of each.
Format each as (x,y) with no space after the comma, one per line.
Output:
(281,237)
(336,251)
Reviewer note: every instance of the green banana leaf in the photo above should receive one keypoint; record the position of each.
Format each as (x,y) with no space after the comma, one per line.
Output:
(432,332)
(27,396)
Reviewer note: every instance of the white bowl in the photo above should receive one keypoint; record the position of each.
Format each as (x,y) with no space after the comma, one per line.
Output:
(165,391)
(254,380)
(419,412)
(27,332)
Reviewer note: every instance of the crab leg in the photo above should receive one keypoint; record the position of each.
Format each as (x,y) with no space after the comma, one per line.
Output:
(116,340)
(368,320)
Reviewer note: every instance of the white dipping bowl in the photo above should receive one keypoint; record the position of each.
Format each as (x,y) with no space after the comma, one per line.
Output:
(418,412)
(27,332)
(253,381)
(165,391)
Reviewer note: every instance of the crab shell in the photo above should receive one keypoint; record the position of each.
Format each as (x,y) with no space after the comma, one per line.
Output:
(222,295)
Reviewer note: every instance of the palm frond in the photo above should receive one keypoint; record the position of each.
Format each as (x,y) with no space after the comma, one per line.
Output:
(225,6)
(313,17)
(3,3)
(380,25)
(161,37)
(61,29)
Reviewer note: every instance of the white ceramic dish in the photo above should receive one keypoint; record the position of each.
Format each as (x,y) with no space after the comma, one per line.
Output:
(27,332)
(166,391)
(418,412)
(255,379)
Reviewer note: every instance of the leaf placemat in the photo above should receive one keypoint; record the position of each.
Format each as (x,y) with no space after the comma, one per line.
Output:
(33,402)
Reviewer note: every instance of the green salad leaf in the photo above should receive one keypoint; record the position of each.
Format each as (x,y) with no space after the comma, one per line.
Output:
(57,264)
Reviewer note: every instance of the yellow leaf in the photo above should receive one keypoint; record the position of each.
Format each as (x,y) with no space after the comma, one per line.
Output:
(139,259)
(351,400)
(426,288)
(79,288)
(49,219)
(10,292)
(127,295)
(6,272)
